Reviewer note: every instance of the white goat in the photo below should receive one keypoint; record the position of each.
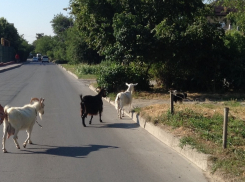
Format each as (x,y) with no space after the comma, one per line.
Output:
(21,118)
(124,99)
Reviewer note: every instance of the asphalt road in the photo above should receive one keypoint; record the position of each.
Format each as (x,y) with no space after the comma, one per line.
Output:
(63,150)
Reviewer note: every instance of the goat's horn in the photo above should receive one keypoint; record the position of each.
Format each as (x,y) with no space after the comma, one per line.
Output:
(2,114)
(32,99)
(1,108)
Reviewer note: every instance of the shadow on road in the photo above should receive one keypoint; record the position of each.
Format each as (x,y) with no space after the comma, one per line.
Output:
(77,152)
(114,125)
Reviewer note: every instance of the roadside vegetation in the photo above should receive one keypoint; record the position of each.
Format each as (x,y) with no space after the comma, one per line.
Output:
(18,44)
(200,125)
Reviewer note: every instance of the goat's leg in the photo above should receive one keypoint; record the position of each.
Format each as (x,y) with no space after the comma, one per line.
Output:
(4,139)
(100,117)
(28,139)
(91,119)
(15,137)
(83,119)
(120,113)
(129,108)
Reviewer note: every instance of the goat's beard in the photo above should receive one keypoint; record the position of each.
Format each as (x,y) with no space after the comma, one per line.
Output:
(40,115)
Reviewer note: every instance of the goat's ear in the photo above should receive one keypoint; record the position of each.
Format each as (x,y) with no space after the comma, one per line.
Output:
(32,99)
(135,84)
(98,89)
(127,84)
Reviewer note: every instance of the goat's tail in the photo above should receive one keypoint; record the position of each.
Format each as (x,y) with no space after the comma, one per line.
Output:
(117,101)
(81,96)
(5,112)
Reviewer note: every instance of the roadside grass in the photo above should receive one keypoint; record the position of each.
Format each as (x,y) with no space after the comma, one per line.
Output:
(199,123)
(200,126)
(82,71)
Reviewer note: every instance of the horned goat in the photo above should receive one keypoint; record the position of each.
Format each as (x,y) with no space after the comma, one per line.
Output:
(20,118)
(92,105)
(124,99)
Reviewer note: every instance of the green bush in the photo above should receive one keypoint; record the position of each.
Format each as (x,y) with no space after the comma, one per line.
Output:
(113,76)
(85,69)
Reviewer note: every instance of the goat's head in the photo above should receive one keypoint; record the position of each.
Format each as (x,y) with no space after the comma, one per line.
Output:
(40,107)
(101,91)
(131,86)
(2,114)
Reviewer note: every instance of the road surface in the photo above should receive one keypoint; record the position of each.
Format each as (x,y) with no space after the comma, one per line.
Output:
(63,150)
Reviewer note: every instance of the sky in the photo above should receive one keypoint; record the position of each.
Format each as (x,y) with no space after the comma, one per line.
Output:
(32,16)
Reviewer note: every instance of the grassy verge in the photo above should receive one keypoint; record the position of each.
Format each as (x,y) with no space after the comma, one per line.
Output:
(79,71)
(201,126)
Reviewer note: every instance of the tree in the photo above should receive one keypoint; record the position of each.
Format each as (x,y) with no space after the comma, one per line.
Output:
(60,23)
(237,11)
(94,20)
(233,71)
(77,49)
(9,32)
(44,45)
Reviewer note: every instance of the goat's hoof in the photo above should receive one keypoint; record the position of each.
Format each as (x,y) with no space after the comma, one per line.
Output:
(30,142)
(24,145)
(18,147)
(5,151)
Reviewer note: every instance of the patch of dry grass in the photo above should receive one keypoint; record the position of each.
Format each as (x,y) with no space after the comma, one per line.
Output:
(206,109)
(198,125)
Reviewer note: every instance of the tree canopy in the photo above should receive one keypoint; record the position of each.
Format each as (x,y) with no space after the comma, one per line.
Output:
(9,32)
(170,41)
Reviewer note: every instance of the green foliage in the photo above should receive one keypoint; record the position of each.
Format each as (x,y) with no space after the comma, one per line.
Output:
(60,23)
(190,141)
(94,20)
(170,41)
(114,76)
(209,129)
(9,32)
(78,50)
(235,64)
(232,103)
(86,69)
(44,46)
(237,16)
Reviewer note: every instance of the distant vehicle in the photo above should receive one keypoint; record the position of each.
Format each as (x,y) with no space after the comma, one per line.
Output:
(45,59)
(34,59)
(39,57)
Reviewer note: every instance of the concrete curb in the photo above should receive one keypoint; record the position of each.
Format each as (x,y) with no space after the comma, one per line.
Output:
(199,159)
(68,71)
(9,67)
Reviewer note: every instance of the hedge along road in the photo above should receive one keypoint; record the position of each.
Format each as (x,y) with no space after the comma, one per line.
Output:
(63,150)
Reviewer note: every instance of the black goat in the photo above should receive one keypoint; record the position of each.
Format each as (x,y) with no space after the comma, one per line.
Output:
(92,105)
(178,96)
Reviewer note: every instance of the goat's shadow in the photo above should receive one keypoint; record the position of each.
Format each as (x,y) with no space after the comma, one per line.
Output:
(120,125)
(69,151)
(115,125)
